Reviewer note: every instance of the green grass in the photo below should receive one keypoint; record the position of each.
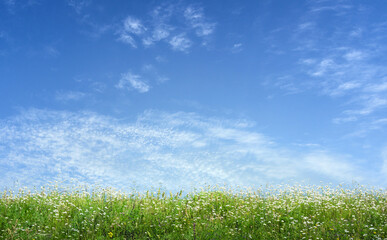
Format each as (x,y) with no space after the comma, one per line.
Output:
(298,212)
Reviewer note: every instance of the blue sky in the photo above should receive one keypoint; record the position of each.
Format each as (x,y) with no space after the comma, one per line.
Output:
(182,93)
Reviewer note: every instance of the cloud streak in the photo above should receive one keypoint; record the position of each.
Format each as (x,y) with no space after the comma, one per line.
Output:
(175,149)
(69,96)
(131,81)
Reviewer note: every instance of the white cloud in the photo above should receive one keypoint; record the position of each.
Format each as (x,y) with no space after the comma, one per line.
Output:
(160,59)
(96,30)
(344,88)
(69,96)
(356,78)
(349,85)
(133,81)
(356,32)
(378,87)
(180,43)
(345,63)
(134,26)
(162,79)
(158,34)
(370,104)
(380,121)
(39,145)
(151,72)
(159,27)
(308,61)
(78,5)
(196,19)
(237,47)
(126,38)
(306,26)
(160,24)
(286,84)
(340,9)
(354,55)
(323,163)
(344,120)
(323,67)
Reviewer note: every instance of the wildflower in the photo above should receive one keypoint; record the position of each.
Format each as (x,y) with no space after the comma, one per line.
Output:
(110,234)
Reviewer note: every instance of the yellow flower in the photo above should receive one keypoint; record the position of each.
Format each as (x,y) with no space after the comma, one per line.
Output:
(110,234)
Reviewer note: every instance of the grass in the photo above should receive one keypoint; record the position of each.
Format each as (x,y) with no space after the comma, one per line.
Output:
(292,212)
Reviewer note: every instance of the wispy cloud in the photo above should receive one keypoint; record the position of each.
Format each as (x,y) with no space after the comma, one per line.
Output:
(325,164)
(86,17)
(134,26)
(131,27)
(158,34)
(237,47)
(158,147)
(354,55)
(180,43)
(96,30)
(286,84)
(69,96)
(338,7)
(323,67)
(126,38)
(151,71)
(357,32)
(160,59)
(131,81)
(306,26)
(343,62)
(78,5)
(370,104)
(377,87)
(197,20)
(351,74)
(161,26)
(341,120)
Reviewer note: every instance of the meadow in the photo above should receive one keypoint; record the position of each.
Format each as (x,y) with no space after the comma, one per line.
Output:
(272,212)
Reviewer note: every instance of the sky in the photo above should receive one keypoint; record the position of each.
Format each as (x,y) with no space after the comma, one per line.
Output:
(180,94)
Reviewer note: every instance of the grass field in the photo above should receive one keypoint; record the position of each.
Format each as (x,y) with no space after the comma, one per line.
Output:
(283,212)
